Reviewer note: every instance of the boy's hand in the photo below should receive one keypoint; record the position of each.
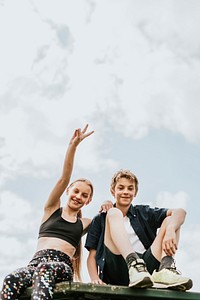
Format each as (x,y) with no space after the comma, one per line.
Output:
(98,281)
(169,244)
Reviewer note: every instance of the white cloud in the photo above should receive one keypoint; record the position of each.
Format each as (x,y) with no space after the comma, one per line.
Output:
(19,25)
(14,254)
(188,256)
(131,66)
(18,232)
(162,93)
(17,215)
(177,200)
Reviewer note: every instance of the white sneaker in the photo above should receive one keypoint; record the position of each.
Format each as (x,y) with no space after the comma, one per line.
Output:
(172,279)
(138,275)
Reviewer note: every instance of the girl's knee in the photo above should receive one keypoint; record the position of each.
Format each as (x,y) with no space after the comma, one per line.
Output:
(42,268)
(10,287)
(11,278)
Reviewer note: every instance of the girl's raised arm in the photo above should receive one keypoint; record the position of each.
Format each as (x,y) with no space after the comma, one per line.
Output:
(53,201)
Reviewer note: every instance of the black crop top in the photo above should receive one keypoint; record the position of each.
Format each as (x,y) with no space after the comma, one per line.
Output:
(56,226)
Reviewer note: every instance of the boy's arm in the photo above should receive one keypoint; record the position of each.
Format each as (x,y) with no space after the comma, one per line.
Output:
(177,218)
(92,267)
(94,242)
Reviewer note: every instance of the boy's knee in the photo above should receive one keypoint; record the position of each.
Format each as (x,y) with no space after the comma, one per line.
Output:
(114,213)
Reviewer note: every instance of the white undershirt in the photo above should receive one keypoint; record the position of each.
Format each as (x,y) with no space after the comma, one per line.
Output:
(135,242)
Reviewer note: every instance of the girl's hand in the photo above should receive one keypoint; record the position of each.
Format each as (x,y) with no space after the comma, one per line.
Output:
(80,135)
(105,206)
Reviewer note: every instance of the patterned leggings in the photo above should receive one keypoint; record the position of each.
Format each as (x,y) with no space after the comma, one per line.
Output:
(42,273)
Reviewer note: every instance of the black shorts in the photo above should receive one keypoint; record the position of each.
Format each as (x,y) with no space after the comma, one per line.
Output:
(116,271)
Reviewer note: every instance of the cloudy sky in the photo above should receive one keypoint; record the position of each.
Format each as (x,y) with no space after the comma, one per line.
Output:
(128,68)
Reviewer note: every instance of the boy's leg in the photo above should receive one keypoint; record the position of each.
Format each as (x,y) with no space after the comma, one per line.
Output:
(115,269)
(151,262)
(117,241)
(116,238)
(167,275)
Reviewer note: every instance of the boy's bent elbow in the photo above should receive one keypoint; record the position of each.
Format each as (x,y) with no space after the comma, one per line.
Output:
(184,211)
(181,214)
(181,211)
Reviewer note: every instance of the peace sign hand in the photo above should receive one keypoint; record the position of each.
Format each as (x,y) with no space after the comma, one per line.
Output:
(80,135)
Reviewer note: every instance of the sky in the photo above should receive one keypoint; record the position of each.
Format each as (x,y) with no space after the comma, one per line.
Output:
(128,68)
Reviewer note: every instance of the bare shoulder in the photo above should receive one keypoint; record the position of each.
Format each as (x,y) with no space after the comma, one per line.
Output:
(86,223)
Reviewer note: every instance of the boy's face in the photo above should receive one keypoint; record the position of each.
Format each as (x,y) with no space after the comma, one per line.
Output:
(124,191)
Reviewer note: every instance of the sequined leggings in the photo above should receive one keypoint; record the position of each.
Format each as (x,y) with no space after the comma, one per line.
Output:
(42,273)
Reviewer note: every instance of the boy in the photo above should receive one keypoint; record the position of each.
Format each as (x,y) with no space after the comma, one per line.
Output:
(124,246)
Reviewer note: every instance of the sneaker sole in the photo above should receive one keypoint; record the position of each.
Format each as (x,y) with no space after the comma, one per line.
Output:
(183,286)
(144,283)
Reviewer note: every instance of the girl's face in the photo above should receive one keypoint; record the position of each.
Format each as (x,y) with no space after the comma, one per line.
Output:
(124,191)
(79,194)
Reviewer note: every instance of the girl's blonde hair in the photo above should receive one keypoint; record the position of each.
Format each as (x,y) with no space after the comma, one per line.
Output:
(77,258)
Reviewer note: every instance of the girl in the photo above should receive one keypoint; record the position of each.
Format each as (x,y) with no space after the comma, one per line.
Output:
(57,256)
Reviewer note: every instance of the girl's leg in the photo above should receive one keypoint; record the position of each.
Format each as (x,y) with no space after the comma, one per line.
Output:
(45,277)
(16,282)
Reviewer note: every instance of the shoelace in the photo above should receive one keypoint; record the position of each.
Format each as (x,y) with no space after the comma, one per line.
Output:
(174,270)
(140,267)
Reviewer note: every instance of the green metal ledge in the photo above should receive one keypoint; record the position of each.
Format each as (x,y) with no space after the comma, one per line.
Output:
(80,291)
